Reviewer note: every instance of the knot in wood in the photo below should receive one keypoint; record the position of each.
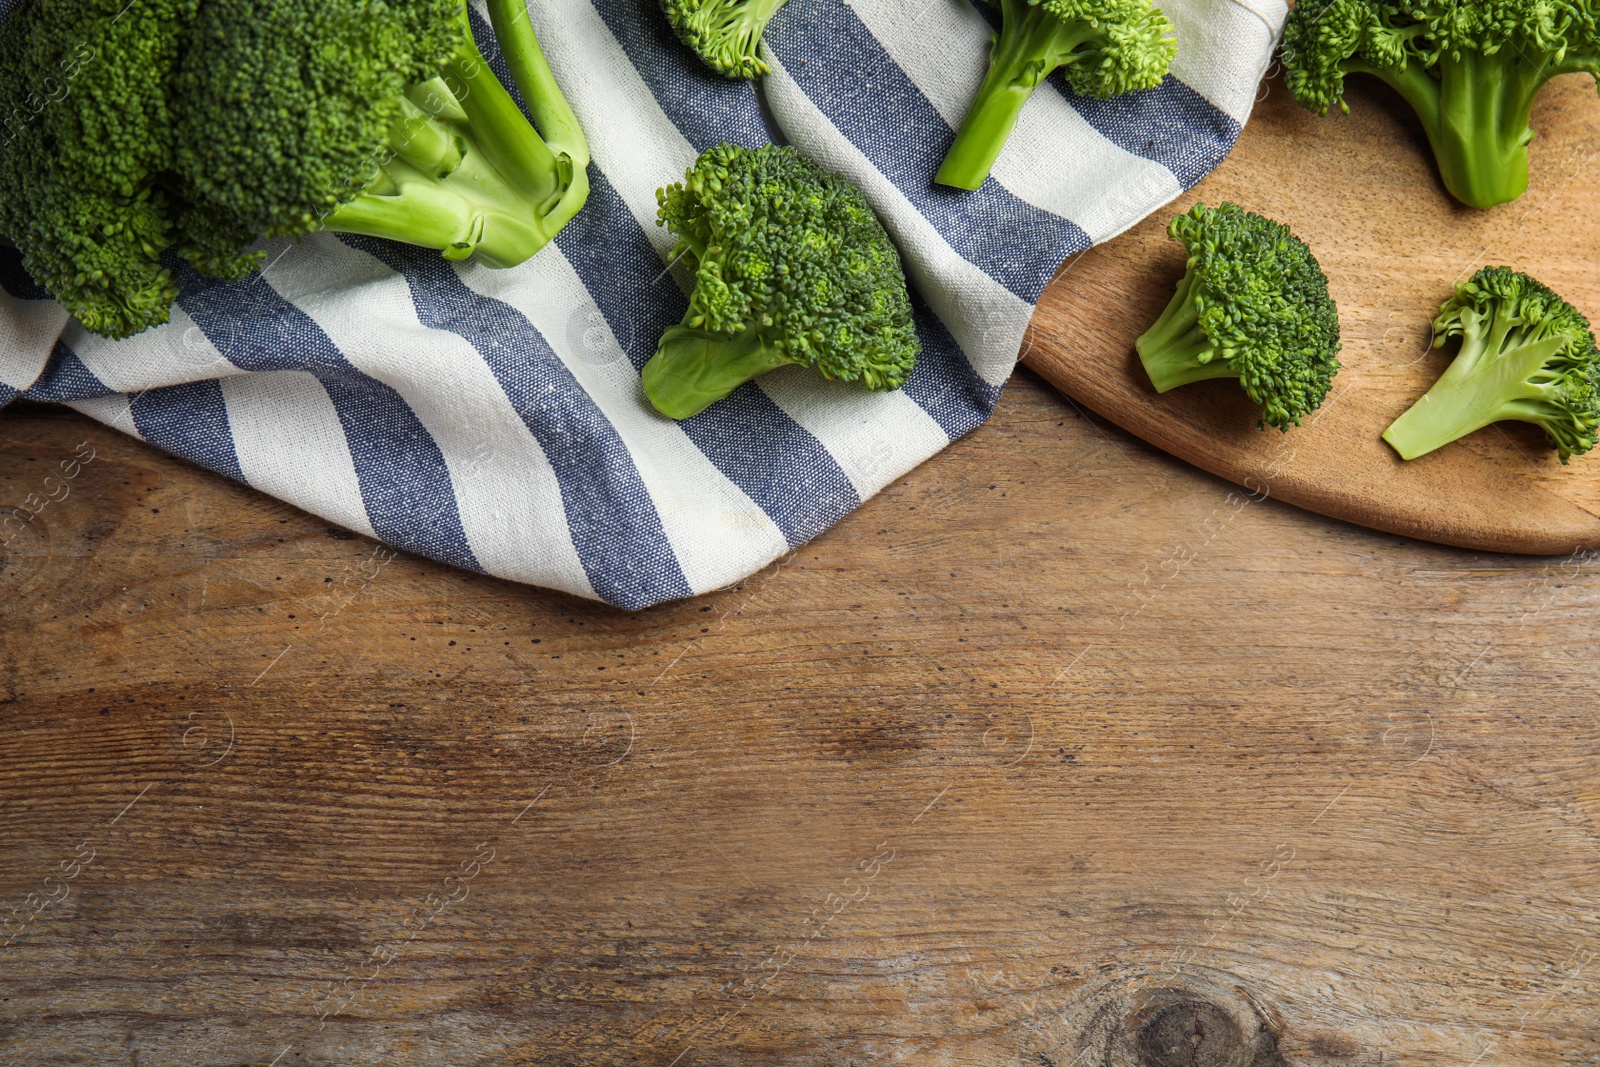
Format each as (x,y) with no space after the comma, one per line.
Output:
(1189,1033)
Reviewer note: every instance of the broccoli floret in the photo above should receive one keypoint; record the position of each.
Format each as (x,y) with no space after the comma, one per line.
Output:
(1254,305)
(725,34)
(791,266)
(222,123)
(1526,354)
(1107,47)
(1469,68)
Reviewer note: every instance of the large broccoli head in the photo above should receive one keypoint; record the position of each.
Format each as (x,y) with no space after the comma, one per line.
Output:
(1471,70)
(791,266)
(1254,305)
(1526,355)
(1104,48)
(725,34)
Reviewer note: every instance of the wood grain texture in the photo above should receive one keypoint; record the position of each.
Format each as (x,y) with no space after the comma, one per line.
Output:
(1058,752)
(1361,191)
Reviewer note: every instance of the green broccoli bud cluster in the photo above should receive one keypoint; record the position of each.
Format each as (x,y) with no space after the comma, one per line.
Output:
(1525,354)
(1253,306)
(725,34)
(791,266)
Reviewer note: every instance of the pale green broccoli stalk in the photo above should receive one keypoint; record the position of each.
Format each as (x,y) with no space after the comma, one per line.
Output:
(791,266)
(1253,306)
(1471,70)
(215,125)
(1526,354)
(469,176)
(725,34)
(1107,47)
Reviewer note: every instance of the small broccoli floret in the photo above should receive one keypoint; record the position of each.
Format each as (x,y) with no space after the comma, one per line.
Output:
(1471,70)
(204,127)
(725,34)
(1526,354)
(1107,47)
(791,266)
(1254,306)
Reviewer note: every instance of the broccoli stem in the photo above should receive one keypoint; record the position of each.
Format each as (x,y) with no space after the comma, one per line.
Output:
(1175,351)
(1494,377)
(736,28)
(470,212)
(1481,141)
(468,174)
(742,19)
(1027,49)
(499,127)
(693,369)
(531,71)
(1476,115)
(425,144)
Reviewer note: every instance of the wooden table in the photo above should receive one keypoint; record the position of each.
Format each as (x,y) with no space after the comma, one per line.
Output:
(1058,752)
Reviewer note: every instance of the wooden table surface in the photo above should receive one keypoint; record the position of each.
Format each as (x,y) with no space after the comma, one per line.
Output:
(1058,752)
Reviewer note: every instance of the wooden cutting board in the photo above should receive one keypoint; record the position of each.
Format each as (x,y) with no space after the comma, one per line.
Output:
(1361,190)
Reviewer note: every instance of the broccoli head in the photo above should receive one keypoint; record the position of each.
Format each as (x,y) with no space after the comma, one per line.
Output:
(1106,48)
(1526,354)
(1254,306)
(725,34)
(791,266)
(1471,70)
(219,124)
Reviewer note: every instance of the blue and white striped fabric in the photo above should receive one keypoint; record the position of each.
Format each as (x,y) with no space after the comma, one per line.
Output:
(494,419)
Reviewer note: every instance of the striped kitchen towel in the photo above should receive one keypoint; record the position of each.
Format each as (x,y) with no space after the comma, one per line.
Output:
(494,420)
